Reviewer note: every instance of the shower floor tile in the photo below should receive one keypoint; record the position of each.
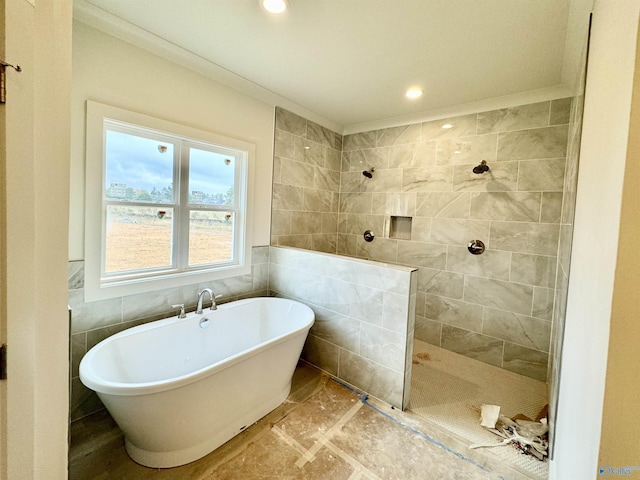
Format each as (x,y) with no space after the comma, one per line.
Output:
(448,391)
(325,430)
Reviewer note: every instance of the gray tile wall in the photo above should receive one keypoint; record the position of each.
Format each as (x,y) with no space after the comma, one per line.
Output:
(306,184)
(365,313)
(95,321)
(495,307)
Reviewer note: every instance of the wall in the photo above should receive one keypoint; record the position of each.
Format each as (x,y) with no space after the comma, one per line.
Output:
(95,321)
(594,257)
(35,229)
(365,311)
(113,72)
(306,184)
(619,442)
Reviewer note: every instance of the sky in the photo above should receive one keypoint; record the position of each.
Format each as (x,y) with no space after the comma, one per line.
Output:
(139,163)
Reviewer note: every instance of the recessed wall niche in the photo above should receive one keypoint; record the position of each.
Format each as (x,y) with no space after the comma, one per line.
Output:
(400,228)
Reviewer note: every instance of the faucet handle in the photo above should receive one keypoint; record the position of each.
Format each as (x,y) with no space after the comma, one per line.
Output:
(182,314)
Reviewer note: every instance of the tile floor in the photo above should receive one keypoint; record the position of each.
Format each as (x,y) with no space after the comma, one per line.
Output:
(324,430)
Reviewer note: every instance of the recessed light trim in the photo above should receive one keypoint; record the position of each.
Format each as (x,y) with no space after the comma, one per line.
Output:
(447,126)
(275,6)
(414,92)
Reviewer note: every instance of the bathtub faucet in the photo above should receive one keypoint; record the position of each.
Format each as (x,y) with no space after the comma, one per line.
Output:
(211,296)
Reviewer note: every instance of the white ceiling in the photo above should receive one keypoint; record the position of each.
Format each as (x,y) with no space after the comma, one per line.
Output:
(347,63)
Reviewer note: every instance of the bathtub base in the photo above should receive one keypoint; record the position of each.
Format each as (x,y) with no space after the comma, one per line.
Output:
(172,459)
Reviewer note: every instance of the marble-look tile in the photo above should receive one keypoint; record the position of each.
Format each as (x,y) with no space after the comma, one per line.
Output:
(296,173)
(381,249)
(398,135)
(352,182)
(395,312)
(466,150)
(560,111)
(309,152)
(347,245)
(506,206)
(551,207)
(458,231)
(428,331)
(320,134)
(284,144)
(83,401)
(412,155)
(379,381)
(356,301)
(322,354)
(280,222)
(303,222)
(260,273)
(317,200)
(355,203)
(298,241)
(287,197)
(384,180)
(541,175)
(541,239)
(383,346)
(443,204)
(326,179)
(421,229)
(260,255)
(290,122)
(543,303)
(359,160)
(535,270)
(474,345)
(438,282)
(537,143)
(324,242)
(403,204)
(430,179)
(333,159)
(277,161)
(525,361)
(99,334)
(358,141)
(357,224)
(521,117)
(501,177)
(430,255)
(420,301)
(298,284)
(339,142)
(329,223)
(76,274)
(87,316)
(337,329)
(498,294)
(491,264)
(78,349)
(461,126)
(520,329)
(454,312)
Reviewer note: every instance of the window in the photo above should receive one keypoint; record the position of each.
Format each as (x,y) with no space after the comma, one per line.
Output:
(166,204)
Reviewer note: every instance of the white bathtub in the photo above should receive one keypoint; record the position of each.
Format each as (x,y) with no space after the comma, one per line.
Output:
(178,391)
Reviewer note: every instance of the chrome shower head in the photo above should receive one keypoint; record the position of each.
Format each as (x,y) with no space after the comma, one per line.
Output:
(368,173)
(482,168)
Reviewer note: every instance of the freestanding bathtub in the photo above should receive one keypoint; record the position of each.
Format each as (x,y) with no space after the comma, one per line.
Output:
(180,388)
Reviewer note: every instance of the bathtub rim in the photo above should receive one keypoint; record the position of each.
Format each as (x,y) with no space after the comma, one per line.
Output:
(101,386)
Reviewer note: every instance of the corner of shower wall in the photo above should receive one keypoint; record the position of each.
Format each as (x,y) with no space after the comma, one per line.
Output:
(306,184)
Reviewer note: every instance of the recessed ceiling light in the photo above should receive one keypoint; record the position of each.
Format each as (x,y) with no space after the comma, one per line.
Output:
(274,6)
(447,126)
(414,92)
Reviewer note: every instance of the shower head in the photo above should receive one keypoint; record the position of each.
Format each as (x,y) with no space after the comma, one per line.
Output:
(368,173)
(482,168)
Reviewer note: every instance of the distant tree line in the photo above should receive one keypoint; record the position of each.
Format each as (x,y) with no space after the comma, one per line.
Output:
(115,191)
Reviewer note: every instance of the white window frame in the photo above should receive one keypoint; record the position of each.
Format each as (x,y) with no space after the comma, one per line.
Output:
(100,286)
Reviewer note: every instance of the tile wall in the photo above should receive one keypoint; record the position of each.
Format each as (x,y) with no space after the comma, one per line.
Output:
(95,321)
(306,184)
(496,307)
(363,333)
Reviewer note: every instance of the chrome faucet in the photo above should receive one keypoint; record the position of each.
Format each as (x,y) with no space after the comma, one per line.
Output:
(200,298)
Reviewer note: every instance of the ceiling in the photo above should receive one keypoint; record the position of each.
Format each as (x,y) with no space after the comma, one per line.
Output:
(347,63)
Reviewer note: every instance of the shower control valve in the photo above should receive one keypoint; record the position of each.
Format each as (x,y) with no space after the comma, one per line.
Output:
(476,247)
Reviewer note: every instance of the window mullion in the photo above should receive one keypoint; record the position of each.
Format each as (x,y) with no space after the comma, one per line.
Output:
(181,238)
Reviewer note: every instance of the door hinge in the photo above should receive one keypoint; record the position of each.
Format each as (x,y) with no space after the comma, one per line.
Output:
(3,362)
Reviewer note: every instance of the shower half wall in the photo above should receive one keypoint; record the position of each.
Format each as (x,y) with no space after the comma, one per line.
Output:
(496,307)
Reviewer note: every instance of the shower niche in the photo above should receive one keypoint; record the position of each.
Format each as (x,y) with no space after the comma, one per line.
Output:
(400,227)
